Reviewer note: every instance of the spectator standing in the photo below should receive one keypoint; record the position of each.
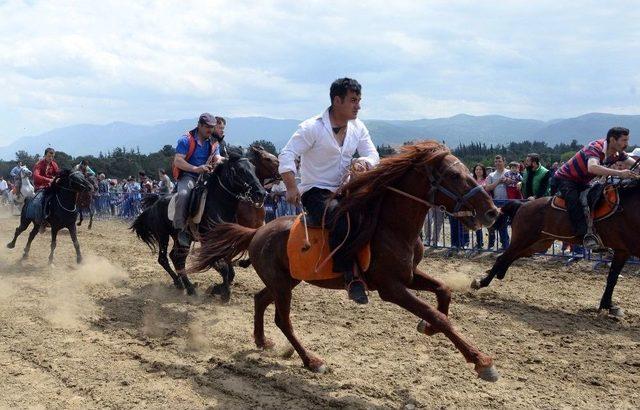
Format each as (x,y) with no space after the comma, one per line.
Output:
(165,185)
(535,181)
(480,175)
(497,187)
(513,180)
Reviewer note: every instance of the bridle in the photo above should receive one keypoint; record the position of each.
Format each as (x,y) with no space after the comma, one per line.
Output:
(244,196)
(75,205)
(436,186)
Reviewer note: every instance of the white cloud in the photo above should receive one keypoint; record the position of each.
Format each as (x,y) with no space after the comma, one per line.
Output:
(70,62)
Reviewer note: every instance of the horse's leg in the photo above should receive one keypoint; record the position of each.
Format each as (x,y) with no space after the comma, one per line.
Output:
(80,217)
(54,236)
(261,300)
(422,281)
(164,262)
(24,224)
(619,259)
(32,234)
(282,296)
(224,289)
(91,212)
(74,238)
(519,248)
(178,256)
(401,296)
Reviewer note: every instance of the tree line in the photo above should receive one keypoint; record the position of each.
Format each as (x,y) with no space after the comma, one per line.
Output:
(122,162)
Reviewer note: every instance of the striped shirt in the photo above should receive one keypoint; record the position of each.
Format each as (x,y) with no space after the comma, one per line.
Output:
(576,169)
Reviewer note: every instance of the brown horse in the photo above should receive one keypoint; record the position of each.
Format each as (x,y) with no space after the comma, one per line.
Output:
(535,225)
(267,171)
(420,176)
(85,201)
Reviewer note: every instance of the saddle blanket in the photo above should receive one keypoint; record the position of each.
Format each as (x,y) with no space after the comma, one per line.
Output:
(606,205)
(304,265)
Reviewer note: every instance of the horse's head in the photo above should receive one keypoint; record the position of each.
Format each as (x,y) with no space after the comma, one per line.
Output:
(72,181)
(265,162)
(25,172)
(237,176)
(454,189)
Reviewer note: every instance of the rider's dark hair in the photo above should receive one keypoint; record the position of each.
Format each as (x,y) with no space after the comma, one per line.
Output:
(342,86)
(616,133)
(221,120)
(49,150)
(534,158)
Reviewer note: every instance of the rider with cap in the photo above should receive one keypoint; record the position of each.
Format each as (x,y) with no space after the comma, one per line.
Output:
(195,154)
(574,176)
(326,144)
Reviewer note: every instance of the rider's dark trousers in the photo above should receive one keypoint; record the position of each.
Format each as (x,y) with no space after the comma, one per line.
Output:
(314,201)
(571,193)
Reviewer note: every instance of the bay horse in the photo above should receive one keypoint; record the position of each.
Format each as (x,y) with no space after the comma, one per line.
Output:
(63,211)
(86,201)
(390,202)
(232,182)
(536,225)
(267,172)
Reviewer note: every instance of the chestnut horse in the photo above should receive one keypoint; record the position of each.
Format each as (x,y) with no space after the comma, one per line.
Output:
(422,175)
(85,201)
(535,225)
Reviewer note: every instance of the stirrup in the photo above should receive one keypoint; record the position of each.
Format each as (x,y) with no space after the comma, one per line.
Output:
(593,242)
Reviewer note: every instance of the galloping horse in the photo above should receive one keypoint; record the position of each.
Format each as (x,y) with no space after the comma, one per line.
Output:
(24,192)
(536,224)
(63,211)
(86,201)
(232,182)
(390,202)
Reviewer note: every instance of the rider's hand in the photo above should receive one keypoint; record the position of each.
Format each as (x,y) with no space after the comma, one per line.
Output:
(627,173)
(203,169)
(293,196)
(360,165)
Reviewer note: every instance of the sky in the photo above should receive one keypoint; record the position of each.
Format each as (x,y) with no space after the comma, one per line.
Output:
(66,62)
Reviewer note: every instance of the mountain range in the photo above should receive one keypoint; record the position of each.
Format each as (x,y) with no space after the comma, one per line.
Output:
(85,139)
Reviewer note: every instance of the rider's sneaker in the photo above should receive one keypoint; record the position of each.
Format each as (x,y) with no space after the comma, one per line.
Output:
(357,292)
(184,238)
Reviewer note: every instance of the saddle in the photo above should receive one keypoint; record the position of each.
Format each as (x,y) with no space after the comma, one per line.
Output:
(195,204)
(308,265)
(604,201)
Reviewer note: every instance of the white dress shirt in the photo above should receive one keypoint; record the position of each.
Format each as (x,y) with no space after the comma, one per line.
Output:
(324,163)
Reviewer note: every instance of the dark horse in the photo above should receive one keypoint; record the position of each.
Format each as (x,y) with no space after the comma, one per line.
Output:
(232,182)
(536,225)
(85,201)
(391,202)
(267,171)
(63,211)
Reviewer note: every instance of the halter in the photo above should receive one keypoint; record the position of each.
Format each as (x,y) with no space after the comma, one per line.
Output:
(242,197)
(460,200)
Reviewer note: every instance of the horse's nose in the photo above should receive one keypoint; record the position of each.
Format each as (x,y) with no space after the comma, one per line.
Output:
(491,215)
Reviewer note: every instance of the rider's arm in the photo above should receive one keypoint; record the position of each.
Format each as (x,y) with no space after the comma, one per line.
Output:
(301,141)
(629,162)
(367,150)
(182,163)
(594,167)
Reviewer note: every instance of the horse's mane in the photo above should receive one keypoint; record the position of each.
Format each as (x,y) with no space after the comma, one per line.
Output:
(366,187)
(361,197)
(63,173)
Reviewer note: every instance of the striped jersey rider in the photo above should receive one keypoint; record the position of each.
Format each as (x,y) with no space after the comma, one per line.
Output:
(192,159)
(325,145)
(574,176)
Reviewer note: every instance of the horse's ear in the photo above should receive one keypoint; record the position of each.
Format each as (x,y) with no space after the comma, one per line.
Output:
(235,152)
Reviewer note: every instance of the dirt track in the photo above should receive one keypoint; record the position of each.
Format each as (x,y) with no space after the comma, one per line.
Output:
(113,333)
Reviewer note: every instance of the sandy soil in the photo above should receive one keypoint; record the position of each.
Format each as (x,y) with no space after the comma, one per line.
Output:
(113,333)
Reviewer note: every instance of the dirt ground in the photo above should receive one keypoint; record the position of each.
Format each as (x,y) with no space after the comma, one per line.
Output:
(112,332)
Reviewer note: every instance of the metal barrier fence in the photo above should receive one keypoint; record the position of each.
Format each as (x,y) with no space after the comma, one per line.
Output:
(439,230)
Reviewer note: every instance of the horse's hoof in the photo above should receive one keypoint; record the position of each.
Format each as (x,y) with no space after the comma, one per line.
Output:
(11,245)
(317,366)
(267,344)
(178,285)
(489,374)
(476,284)
(616,311)
(191,291)
(288,352)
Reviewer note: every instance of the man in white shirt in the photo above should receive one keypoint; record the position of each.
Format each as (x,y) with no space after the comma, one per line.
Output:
(326,145)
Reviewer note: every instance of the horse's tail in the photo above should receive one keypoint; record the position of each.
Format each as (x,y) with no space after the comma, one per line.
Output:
(511,208)
(148,200)
(143,227)
(222,242)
